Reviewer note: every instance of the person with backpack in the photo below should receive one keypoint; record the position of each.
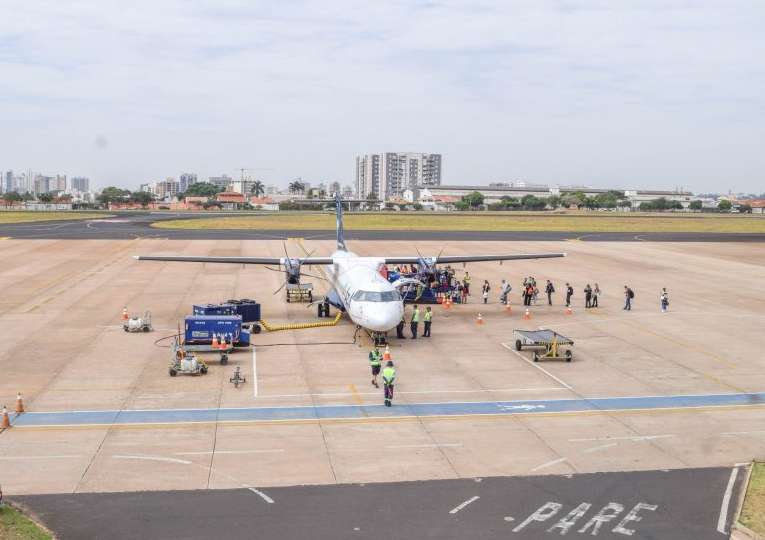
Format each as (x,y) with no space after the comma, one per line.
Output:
(485,291)
(569,294)
(549,289)
(629,295)
(664,300)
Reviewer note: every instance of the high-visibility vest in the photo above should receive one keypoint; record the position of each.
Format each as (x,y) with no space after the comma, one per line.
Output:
(375,357)
(389,375)
(428,316)
(416,315)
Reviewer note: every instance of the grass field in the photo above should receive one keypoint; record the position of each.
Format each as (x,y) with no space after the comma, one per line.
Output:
(27,217)
(483,222)
(753,512)
(15,526)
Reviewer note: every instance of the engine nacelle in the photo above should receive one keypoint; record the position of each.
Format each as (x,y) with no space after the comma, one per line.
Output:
(292,271)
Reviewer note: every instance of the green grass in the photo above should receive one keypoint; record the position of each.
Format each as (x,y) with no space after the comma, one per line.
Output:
(491,221)
(753,512)
(15,526)
(21,216)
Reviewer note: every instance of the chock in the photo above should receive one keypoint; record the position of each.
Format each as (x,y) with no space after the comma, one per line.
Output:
(19,404)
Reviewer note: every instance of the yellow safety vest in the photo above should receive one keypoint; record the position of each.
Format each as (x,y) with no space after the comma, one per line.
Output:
(416,316)
(389,375)
(428,316)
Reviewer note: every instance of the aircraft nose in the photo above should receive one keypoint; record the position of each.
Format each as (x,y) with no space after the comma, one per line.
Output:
(386,318)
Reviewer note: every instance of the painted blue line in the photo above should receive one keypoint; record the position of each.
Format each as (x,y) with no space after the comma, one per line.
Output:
(327,412)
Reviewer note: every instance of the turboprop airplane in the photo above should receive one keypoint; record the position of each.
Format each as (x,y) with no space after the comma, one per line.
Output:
(356,285)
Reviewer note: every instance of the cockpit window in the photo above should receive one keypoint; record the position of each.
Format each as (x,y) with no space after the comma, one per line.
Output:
(376,296)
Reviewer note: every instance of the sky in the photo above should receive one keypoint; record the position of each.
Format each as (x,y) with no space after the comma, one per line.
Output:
(612,93)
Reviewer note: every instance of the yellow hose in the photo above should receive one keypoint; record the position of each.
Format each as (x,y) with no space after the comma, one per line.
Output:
(301,326)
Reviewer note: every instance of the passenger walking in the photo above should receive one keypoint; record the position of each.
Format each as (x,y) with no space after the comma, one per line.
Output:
(464,292)
(466,283)
(628,296)
(388,377)
(569,294)
(400,328)
(427,320)
(504,291)
(595,295)
(415,321)
(485,291)
(588,296)
(375,361)
(549,290)
(664,299)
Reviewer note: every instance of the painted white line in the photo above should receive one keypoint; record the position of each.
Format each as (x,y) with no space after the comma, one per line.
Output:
(726,501)
(632,438)
(476,391)
(597,448)
(24,458)
(254,373)
(262,495)
(436,445)
(733,433)
(534,364)
(548,464)
(207,453)
(155,458)
(464,504)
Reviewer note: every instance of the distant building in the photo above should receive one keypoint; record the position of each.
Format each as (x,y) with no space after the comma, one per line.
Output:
(8,184)
(390,174)
(185,180)
(347,192)
(166,189)
(334,187)
(80,183)
(223,181)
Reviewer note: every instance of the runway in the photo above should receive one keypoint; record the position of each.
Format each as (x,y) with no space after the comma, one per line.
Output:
(680,504)
(130,226)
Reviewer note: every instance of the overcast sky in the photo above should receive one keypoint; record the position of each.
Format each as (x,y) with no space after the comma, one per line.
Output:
(643,93)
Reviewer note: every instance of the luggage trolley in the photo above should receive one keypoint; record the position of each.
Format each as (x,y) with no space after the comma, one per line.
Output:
(549,340)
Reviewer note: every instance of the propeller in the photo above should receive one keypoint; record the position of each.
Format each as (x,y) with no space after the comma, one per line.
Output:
(292,269)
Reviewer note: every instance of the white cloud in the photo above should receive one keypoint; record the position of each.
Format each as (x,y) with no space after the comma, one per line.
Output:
(641,92)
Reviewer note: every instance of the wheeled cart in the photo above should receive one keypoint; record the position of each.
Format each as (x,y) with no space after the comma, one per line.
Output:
(552,342)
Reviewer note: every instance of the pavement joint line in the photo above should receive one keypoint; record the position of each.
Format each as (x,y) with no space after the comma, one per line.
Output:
(462,505)
(26,458)
(262,495)
(733,433)
(549,464)
(543,370)
(477,390)
(726,501)
(254,373)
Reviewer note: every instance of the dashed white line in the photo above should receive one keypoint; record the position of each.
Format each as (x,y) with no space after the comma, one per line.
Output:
(262,495)
(464,504)
(598,448)
(733,433)
(154,458)
(549,464)
(726,501)
(543,370)
(435,445)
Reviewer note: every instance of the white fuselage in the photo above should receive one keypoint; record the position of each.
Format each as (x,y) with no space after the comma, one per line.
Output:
(369,299)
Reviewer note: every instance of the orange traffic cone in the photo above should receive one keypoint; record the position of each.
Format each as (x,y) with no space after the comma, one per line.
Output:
(214,343)
(125,315)
(527,315)
(386,354)
(479,319)
(509,308)
(19,404)
(569,311)
(6,423)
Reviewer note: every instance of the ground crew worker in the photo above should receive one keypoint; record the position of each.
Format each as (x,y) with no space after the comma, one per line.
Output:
(375,361)
(427,319)
(389,377)
(400,328)
(415,321)
(569,294)
(549,289)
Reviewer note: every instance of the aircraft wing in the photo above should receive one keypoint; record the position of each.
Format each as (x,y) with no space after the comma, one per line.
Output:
(273,261)
(449,259)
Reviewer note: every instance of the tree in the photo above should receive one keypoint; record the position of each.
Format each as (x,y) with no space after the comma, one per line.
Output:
(12,197)
(27,196)
(143,198)
(296,187)
(553,201)
(575,198)
(258,188)
(417,206)
(473,200)
(113,194)
(45,198)
(201,189)
(530,202)
(724,205)
(695,205)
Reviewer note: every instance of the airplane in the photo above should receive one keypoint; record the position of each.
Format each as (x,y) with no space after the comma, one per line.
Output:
(356,284)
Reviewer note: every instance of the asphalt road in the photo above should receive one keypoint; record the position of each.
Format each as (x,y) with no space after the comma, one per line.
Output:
(127,227)
(678,504)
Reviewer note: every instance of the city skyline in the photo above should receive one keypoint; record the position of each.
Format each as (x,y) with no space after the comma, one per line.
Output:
(653,94)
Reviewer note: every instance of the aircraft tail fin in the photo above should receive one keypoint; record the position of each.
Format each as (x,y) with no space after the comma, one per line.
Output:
(340,234)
